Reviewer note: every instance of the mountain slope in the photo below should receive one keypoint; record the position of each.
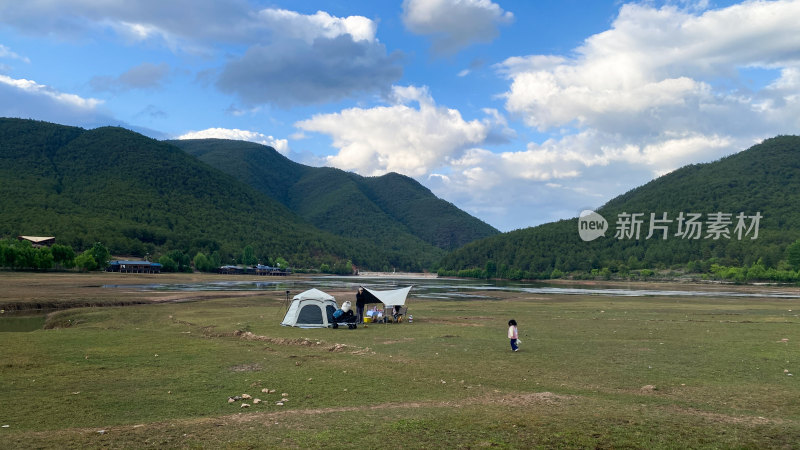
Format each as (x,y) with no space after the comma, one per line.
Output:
(389,209)
(138,195)
(764,179)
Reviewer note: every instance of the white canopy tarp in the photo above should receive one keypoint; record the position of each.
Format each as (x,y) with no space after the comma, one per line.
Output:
(391,298)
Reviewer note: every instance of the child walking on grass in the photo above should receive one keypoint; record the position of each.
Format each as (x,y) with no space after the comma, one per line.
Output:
(513,334)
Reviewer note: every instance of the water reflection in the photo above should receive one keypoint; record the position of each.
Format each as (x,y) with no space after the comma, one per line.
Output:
(457,289)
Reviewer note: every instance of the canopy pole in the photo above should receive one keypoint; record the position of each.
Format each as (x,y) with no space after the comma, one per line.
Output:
(285,308)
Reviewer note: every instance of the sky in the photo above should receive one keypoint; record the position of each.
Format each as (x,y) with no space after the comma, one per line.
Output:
(518,112)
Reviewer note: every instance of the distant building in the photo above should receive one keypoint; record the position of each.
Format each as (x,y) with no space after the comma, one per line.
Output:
(257,270)
(133,267)
(231,270)
(39,241)
(269,270)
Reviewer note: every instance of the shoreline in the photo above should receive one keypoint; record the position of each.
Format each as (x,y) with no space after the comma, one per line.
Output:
(30,291)
(426,275)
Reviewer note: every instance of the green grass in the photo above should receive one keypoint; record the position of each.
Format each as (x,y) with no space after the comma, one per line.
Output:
(160,375)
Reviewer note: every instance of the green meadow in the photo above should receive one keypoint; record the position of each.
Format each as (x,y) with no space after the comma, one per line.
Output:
(592,372)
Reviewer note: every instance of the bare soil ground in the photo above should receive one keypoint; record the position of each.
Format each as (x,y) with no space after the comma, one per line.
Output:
(29,290)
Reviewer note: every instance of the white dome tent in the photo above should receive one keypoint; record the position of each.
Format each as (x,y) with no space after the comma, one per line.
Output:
(311,309)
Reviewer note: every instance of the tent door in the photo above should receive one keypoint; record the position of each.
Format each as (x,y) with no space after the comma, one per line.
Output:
(311,314)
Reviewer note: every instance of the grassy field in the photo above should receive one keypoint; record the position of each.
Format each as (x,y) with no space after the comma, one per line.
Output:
(592,372)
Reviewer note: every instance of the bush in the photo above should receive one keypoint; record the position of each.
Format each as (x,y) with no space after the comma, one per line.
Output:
(100,254)
(168,264)
(85,261)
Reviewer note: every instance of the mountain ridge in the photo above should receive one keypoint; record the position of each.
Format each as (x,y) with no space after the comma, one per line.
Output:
(142,196)
(395,203)
(763,179)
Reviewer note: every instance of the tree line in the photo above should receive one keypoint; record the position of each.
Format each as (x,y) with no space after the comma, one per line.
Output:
(22,255)
(785,270)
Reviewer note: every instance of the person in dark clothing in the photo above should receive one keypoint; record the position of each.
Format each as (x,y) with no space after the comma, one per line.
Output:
(360,303)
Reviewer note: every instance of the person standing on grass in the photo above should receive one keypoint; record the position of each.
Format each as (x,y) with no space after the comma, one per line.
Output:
(360,303)
(513,334)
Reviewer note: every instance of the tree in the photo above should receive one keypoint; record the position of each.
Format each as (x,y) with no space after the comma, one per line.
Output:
(63,255)
(249,256)
(214,260)
(43,258)
(201,263)
(168,264)
(757,271)
(491,269)
(793,255)
(181,260)
(8,254)
(85,261)
(100,254)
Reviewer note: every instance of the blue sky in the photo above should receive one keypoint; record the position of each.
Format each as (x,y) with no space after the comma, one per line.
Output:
(518,112)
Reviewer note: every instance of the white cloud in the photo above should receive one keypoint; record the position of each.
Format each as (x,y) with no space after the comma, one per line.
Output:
(28,99)
(455,24)
(6,52)
(281,145)
(293,25)
(556,179)
(273,56)
(398,138)
(660,89)
(652,62)
(41,90)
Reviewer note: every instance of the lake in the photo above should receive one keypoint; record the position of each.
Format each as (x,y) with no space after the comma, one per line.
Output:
(463,289)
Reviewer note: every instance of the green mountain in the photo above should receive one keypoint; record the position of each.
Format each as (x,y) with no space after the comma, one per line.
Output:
(763,180)
(392,210)
(137,196)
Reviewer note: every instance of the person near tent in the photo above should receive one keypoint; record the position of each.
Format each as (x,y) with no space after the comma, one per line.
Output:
(375,314)
(396,312)
(361,301)
(513,335)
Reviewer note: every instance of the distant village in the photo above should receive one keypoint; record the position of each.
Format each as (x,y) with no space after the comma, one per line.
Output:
(143,266)
(154,267)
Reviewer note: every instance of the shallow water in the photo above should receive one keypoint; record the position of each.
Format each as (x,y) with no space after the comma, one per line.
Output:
(457,289)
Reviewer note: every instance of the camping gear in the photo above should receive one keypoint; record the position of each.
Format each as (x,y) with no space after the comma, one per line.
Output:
(344,317)
(311,309)
(390,299)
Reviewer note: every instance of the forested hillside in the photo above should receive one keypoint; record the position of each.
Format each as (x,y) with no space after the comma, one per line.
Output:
(761,181)
(392,210)
(139,196)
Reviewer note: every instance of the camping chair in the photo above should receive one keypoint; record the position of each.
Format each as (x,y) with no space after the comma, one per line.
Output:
(390,316)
